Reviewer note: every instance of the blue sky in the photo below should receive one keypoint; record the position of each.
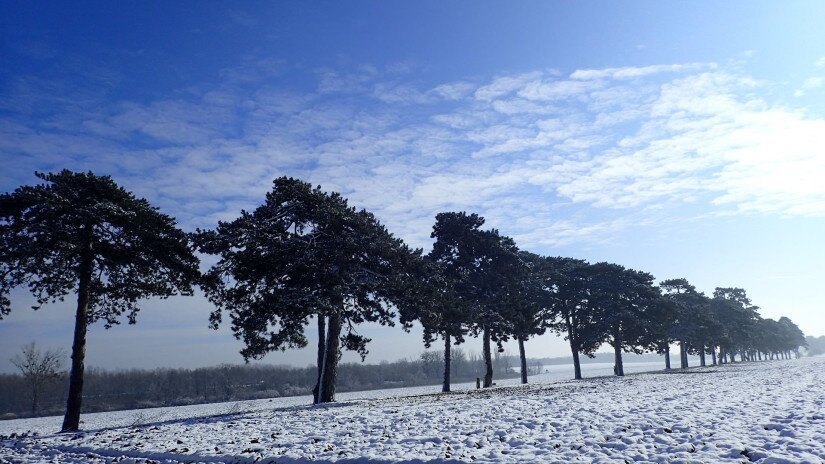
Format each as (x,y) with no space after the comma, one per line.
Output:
(684,139)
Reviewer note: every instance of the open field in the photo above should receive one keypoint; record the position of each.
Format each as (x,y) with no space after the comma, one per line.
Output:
(769,412)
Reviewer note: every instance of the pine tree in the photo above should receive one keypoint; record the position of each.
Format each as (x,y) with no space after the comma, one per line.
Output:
(478,263)
(689,304)
(663,330)
(737,317)
(440,310)
(530,302)
(82,233)
(567,282)
(305,253)
(623,301)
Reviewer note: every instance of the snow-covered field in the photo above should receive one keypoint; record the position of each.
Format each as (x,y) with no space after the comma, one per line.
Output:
(770,412)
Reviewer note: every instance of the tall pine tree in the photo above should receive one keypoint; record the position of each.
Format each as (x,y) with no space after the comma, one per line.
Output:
(567,281)
(306,254)
(479,264)
(82,233)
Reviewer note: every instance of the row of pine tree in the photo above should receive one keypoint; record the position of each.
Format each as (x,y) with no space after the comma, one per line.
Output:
(305,257)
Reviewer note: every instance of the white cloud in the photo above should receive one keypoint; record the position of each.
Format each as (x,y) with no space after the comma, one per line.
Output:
(556,90)
(520,105)
(809,84)
(454,90)
(404,93)
(630,72)
(505,85)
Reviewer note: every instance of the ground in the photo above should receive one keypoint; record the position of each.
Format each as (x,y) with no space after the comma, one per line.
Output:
(767,412)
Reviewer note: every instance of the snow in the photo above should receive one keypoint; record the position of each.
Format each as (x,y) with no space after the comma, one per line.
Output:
(767,412)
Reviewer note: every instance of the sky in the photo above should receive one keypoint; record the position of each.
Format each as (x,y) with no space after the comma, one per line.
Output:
(685,139)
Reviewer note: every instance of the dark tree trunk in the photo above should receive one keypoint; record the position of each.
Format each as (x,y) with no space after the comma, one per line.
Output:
(702,357)
(35,390)
(445,387)
(683,360)
(330,372)
(759,355)
(523,360)
(71,421)
(713,355)
(618,367)
(488,360)
(577,366)
(667,357)
(574,349)
(322,346)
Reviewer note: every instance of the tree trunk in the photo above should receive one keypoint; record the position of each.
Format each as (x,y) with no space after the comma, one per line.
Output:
(683,361)
(488,360)
(445,387)
(71,421)
(667,357)
(574,349)
(330,371)
(577,367)
(322,346)
(713,354)
(702,357)
(35,390)
(523,360)
(618,368)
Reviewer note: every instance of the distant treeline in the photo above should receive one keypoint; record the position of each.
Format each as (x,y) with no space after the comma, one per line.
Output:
(816,345)
(106,390)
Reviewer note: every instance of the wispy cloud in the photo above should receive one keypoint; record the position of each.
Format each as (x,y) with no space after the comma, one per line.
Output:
(809,84)
(549,159)
(505,85)
(630,72)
